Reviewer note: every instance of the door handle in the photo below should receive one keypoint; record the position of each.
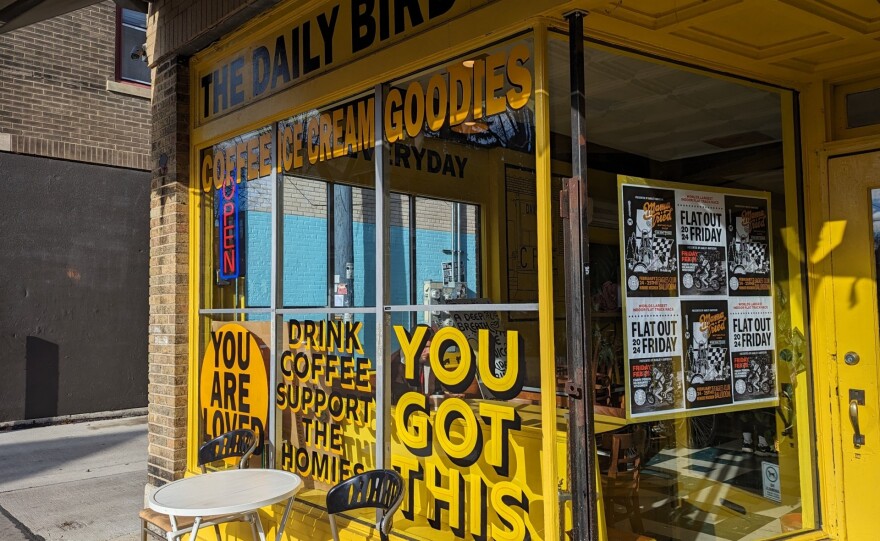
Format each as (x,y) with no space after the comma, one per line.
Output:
(856,399)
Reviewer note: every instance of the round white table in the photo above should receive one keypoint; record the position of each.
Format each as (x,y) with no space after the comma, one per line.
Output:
(229,493)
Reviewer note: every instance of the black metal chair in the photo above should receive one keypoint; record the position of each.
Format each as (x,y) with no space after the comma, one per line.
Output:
(234,444)
(379,489)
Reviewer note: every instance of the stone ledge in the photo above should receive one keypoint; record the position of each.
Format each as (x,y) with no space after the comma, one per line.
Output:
(131,89)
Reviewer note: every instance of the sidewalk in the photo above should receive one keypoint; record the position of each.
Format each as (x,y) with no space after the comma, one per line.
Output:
(73,482)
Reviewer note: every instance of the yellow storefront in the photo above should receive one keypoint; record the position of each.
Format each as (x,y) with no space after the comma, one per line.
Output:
(383,269)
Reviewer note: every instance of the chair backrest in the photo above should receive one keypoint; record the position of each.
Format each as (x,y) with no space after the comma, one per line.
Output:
(239,443)
(381,489)
(626,459)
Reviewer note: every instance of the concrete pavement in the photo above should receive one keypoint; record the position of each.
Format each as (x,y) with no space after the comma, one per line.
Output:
(73,482)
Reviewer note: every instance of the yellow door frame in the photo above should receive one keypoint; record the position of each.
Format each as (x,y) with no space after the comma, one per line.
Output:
(830,427)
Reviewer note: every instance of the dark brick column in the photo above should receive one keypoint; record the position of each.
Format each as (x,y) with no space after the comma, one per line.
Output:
(169,249)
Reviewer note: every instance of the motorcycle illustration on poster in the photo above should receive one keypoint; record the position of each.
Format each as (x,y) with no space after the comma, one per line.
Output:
(651,258)
(748,246)
(707,353)
(751,343)
(701,243)
(655,354)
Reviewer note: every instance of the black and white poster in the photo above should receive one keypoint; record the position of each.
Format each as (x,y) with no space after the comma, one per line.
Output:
(655,354)
(748,246)
(752,339)
(650,256)
(707,367)
(701,243)
(699,322)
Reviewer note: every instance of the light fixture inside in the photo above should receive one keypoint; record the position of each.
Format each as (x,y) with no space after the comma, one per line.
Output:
(469,64)
(470,127)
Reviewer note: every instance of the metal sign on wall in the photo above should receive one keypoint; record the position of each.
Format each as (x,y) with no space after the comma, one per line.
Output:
(696,266)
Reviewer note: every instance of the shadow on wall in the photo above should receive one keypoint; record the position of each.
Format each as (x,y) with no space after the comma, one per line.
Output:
(41,386)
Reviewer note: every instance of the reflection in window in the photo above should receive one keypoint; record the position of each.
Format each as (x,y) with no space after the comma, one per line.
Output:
(875,220)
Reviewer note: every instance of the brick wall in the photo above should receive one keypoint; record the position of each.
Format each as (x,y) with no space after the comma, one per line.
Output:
(169,246)
(54,100)
(177,29)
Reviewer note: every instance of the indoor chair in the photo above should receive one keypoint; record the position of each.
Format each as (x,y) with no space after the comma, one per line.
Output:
(380,489)
(233,444)
(621,470)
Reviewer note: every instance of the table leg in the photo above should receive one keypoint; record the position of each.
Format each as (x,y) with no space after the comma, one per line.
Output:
(254,520)
(259,526)
(283,523)
(194,533)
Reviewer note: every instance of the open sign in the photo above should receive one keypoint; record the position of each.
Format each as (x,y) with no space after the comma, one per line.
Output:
(229,230)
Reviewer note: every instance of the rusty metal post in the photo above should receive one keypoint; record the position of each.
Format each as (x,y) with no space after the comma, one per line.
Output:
(573,207)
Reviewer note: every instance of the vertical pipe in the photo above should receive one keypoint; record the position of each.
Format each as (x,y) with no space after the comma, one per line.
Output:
(276,287)
(329,191)
(383,373)
(581,432)
(343,245)
(413,259)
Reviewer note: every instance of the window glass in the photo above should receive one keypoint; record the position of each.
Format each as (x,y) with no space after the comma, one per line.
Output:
(325,401)
(699,344)
(326,362)
(862,109)
(132,42)
(465,415)
(329,206)
(233,378)
(236,187)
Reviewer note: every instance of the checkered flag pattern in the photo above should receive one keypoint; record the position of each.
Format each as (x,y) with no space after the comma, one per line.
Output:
(662,246)
(715,354)
(757,252)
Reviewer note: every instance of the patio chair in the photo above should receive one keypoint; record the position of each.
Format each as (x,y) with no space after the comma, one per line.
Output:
(233,444)
(379,489)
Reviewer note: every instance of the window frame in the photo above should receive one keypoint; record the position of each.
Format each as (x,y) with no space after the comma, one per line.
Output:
(118,56)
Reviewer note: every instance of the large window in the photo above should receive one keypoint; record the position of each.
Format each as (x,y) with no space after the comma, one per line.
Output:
(698,332)
(423,282)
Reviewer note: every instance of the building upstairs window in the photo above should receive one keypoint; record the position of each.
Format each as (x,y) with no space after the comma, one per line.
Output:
(131,39)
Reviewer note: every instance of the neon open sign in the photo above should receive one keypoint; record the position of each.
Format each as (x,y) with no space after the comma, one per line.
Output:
(229,232)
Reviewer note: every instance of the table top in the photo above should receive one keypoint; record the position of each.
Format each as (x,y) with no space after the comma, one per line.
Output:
(224,492)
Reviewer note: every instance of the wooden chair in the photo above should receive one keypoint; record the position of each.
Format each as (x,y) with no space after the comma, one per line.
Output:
(620,476)
(380,489)
(233,444)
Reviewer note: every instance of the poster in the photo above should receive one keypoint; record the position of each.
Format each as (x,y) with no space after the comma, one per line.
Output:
(752,339)
(748,246)
(655,354)
(707,351)
(699,320)
(650,256)
(701,246)
(470,323)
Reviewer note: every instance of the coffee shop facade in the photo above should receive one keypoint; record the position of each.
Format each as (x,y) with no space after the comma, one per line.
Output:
(502,247)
